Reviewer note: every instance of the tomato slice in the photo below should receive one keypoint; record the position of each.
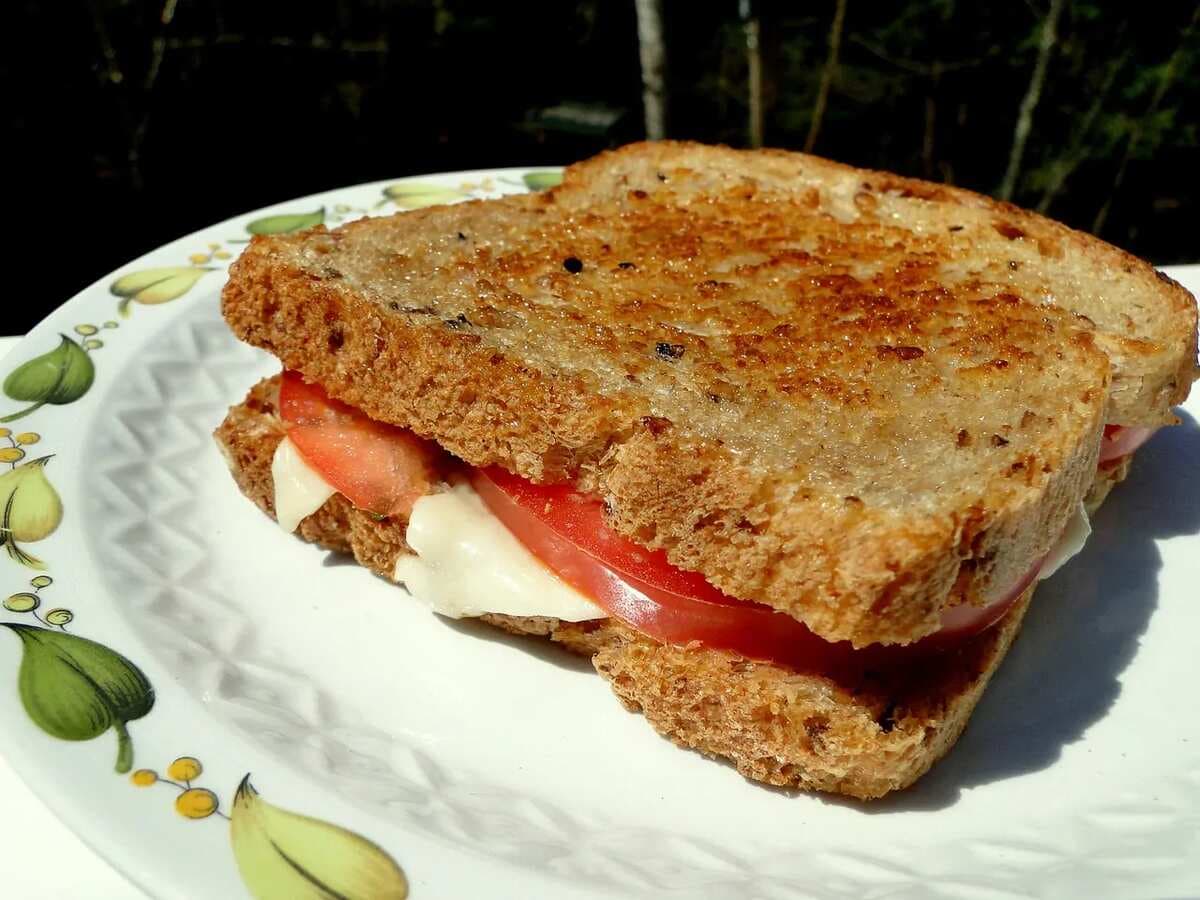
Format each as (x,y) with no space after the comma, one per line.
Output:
(304,403)
(580,519)
(380,468)
(385,469)
(1121,440)
(567,532)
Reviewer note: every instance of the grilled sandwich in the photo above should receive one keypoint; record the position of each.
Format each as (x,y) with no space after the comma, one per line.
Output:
(783,445)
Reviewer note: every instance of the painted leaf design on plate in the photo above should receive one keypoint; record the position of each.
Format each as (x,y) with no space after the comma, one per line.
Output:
(286,222)
(282,855)
(153,286)
(415,194)
(30,509)
(59,376)
(539,181)
(75,689)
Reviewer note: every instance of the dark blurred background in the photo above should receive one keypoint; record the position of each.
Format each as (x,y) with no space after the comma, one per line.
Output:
(131,123)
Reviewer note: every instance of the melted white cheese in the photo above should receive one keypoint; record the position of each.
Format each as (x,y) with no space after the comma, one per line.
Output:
(299,488)
(1073,538)
(468,563)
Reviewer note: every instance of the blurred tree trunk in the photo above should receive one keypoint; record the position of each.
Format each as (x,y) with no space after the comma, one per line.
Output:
(653,54)
(750,24)
(1077,151)
(930,135)
(831,62)
(1029,102)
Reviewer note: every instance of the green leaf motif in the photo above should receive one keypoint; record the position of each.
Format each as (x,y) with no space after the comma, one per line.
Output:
(415,194)
(60,376)
(286,223)
(31,509)
(282,855)
(153,286)
(75,689)
(539,181)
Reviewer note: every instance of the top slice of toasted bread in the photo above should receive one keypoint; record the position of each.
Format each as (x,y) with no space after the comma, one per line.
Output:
(1143,320)
(847,395)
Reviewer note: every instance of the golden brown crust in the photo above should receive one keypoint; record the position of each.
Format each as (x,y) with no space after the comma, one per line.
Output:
(1145,321)
(839,417)
(861,734)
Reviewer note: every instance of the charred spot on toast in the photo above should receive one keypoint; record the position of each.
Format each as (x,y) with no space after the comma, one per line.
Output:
(887,718)
(669,351)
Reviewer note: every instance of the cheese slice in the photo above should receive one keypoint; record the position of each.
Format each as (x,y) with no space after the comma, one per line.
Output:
(1074,536)
(299,488)
(468,563)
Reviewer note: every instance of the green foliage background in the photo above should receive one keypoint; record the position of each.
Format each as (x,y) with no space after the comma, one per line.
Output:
(932,88)
(132,122)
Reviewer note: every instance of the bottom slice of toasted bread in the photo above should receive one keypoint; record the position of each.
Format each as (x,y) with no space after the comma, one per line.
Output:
(862,733)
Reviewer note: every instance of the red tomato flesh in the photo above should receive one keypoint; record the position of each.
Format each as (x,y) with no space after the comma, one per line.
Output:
(380,468)
(567,531)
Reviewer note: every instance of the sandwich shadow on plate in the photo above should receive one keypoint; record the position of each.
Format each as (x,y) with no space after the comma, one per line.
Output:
(544,650)
(1083,628)
(541,649)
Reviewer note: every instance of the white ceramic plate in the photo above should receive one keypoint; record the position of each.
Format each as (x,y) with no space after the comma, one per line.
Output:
(484,765)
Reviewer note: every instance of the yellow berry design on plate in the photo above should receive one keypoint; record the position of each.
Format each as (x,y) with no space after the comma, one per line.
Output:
(144,778)
(191,802)
(186,768)
(342,211)
(29,600)
(60,617)
(22,602)
(196,803)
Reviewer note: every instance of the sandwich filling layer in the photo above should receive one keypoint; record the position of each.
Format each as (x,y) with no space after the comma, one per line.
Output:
(476,555)
(466,563)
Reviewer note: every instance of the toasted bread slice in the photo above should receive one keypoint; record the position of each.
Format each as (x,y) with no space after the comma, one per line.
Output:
(1143,320)
(862,734)
(855,420)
